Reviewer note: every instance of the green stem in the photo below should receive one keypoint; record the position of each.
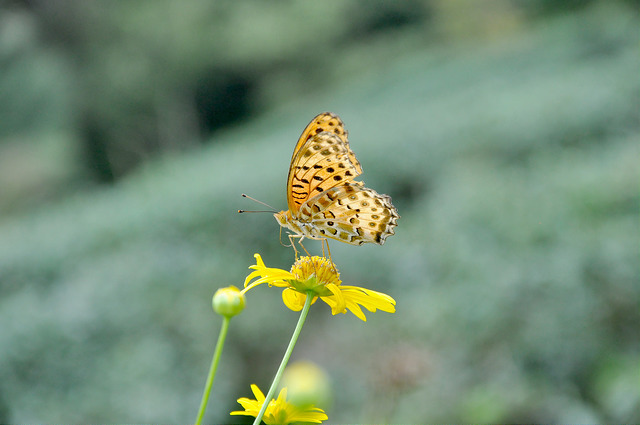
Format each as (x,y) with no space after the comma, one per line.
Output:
(285,359)
(212,370)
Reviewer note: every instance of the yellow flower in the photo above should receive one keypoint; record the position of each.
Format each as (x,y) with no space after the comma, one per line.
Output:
(320,276)
(279,411)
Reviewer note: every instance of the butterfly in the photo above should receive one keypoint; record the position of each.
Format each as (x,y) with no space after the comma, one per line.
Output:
(324,201)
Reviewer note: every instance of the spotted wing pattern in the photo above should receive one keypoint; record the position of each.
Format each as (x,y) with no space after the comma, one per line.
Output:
(321,160)
(351,213)
(324,201)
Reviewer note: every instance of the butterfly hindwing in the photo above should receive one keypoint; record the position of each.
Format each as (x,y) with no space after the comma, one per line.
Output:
(352,213)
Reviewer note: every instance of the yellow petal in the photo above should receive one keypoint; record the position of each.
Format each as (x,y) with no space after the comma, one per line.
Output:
(338,300)
(294,300)
(369,299)
(256,391)
(356,310)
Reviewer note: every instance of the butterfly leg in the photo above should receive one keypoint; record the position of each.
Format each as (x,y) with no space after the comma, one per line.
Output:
(305,249)
(326,241)
(291,241)
(293,245)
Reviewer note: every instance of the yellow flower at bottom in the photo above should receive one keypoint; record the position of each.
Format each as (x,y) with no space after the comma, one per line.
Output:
(319,276)
(279,411)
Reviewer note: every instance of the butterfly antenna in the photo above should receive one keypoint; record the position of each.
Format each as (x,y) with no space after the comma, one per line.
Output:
(244,195)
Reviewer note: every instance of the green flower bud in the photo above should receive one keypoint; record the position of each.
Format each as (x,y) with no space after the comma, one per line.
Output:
(228,301)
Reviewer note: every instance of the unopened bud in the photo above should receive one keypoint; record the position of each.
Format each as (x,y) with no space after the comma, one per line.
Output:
(228,301)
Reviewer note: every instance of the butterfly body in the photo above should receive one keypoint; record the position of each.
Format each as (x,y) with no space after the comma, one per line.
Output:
(324,201)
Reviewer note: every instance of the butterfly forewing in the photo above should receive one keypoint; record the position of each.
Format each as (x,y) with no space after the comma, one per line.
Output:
(322,143)
(321,164)
(325,121)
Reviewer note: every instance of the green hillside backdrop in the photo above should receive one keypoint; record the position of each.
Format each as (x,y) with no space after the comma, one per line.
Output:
(507,135)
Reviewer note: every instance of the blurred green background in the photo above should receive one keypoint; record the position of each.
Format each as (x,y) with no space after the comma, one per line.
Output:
(506,132)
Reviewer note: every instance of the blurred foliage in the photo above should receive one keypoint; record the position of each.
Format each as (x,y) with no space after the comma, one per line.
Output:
(112,84)
(511,154)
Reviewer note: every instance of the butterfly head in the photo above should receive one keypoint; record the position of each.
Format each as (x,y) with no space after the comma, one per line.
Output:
(284,219)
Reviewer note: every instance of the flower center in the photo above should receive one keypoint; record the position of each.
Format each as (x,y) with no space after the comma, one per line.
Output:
(317,271)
